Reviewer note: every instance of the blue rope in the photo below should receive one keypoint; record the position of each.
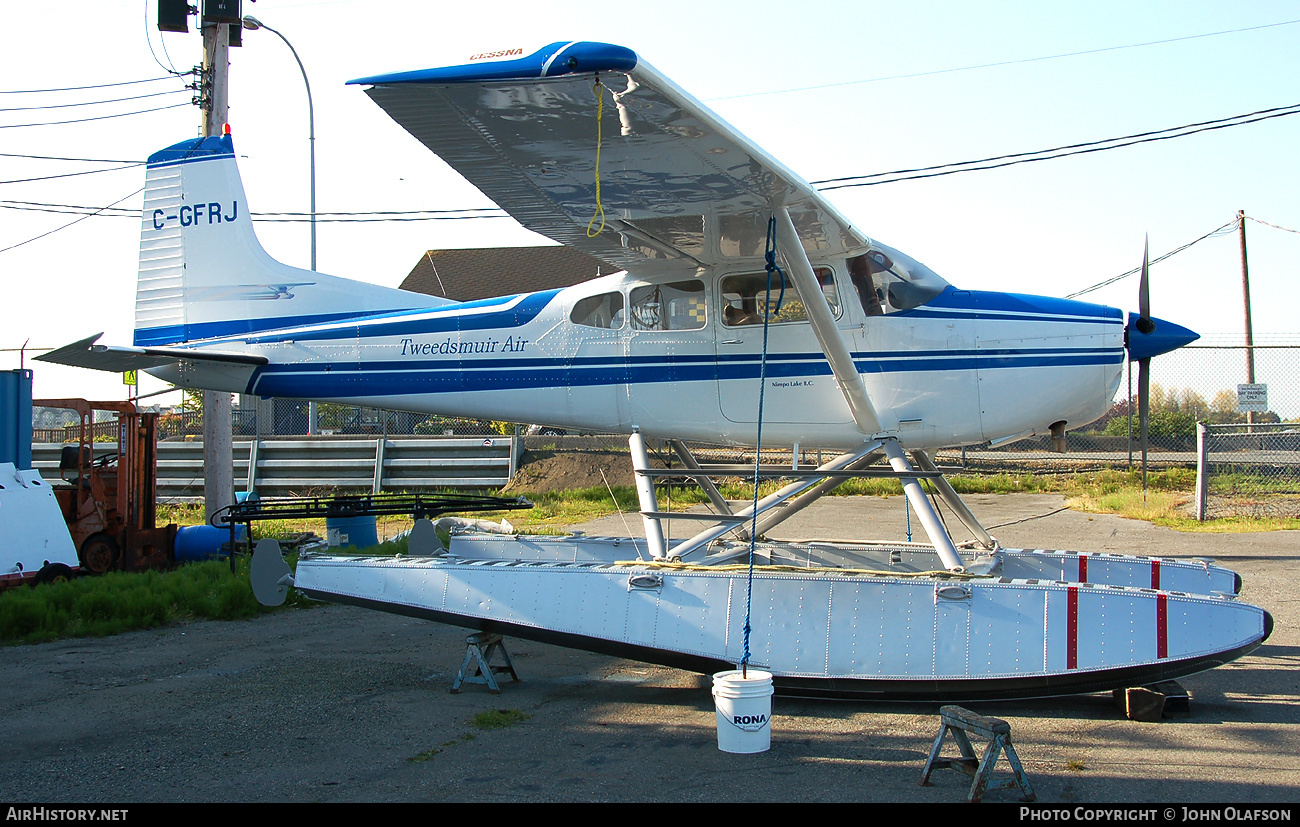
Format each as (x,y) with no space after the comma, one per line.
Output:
(771,267)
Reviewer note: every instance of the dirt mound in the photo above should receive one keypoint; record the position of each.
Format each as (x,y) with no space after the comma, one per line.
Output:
(554,471)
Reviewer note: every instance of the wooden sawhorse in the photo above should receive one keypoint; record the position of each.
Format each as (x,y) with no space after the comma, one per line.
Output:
(482,646)
(997,733)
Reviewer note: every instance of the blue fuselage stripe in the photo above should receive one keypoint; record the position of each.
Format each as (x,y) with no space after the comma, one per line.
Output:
(459,375)
(450,319)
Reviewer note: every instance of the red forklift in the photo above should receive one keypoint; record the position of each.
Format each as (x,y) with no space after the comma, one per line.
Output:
(109,499)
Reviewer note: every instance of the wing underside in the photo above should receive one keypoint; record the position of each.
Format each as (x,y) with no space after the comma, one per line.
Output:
(680,189)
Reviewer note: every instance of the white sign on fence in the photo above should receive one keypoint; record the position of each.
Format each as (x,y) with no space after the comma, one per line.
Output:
(1252,397)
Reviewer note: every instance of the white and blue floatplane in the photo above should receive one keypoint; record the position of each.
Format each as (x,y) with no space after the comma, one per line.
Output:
(848,344)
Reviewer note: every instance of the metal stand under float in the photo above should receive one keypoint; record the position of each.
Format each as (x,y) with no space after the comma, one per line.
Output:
(482,647)
(997,733)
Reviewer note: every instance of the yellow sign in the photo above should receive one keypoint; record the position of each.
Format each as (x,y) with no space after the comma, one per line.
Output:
(128,378)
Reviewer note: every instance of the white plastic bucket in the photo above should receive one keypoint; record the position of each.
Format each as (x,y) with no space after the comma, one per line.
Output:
(743,707)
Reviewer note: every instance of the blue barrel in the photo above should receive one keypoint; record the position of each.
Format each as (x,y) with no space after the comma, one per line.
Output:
(205,542)
(361,532)
(16,418)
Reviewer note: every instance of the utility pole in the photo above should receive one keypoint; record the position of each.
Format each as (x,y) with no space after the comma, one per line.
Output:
(218,444)
(1245,296)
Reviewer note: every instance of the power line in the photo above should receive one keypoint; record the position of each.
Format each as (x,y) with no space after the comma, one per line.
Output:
(359,219)
(1056,152)
(1274,226)
(1054,149)
(937,170)
(823,185)
(80,88)
(1220,230)
(70,223)
(391,212)
(70,209)
(68,174)
(343,217)
(1002,62)
(99,118)
(92,103)
(59,158)
(149,42)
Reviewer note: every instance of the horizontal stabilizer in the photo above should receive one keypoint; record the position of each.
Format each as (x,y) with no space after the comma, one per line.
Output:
(117,359)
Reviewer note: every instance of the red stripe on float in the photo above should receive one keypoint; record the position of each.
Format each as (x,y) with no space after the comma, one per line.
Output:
(1083,569)
(1155,574)
(1072,627)
(1162,625)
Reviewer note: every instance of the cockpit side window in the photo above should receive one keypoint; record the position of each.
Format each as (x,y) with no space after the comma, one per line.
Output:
(605,310)
(744,296)
(888,281)
(676,306)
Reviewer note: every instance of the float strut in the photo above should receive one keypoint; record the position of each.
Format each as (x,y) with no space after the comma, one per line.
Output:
(916,497)
(645,492)
(948,495)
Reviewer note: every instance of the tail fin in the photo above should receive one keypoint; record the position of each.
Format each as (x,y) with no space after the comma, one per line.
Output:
(203,273)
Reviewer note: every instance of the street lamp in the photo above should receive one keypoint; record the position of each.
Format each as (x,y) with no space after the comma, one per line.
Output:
(253,24)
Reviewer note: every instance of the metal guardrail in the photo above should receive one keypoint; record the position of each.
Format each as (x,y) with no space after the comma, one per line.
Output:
(275,467)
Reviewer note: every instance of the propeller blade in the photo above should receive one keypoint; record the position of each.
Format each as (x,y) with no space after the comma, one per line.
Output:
(1144,287)
(1145,325)
(1144,406)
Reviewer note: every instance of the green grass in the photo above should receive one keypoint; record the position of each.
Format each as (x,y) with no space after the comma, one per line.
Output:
(428,754)
(119,602)
(557,509)
(499,718)
(1231,482)
(181,513)
(1106,492)
(487,720)
(1172,509)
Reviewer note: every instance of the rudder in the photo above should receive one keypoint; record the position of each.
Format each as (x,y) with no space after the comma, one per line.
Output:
(203,273)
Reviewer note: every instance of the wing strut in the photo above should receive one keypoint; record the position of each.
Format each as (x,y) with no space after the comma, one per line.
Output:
(823,324)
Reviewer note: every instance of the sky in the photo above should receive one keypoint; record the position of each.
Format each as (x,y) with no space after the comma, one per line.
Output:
(831,89)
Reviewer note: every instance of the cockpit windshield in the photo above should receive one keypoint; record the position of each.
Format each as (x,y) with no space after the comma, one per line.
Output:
(888,281)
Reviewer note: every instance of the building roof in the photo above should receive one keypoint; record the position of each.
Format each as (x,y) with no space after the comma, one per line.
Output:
(470,274)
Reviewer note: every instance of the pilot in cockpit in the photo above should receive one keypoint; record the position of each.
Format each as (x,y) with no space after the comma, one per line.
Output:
(861,271)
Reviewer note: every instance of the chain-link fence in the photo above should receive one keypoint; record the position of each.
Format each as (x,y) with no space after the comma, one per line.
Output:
(1197,383)
(1250,471)
(270,418)
(291,417)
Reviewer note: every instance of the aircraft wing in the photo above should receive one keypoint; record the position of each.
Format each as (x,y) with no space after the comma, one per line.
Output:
(117,359)
(679,187)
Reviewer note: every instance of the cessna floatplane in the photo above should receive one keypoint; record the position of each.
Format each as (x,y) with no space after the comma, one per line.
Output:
(844,343)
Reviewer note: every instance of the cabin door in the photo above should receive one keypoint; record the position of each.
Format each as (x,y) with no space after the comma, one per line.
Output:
(670,359)
(800,387)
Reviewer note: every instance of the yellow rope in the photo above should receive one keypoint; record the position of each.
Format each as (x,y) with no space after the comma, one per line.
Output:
(600,208)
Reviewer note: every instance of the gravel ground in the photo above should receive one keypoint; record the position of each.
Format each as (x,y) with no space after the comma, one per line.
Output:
(342,704)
